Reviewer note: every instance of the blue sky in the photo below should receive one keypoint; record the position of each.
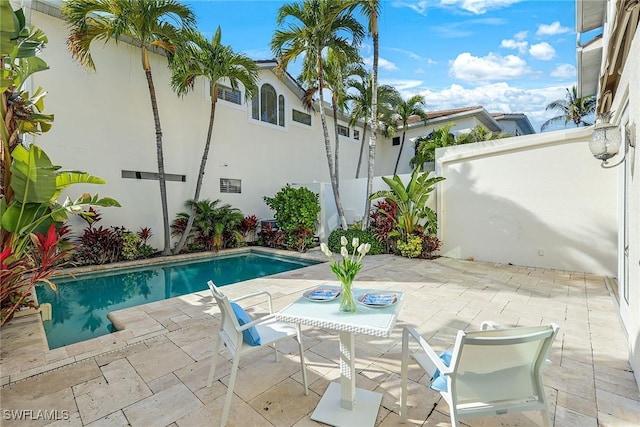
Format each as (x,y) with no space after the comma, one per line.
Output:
(506,55)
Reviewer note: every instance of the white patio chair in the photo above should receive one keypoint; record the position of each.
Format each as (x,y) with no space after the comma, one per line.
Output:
(491,372)
(235,331)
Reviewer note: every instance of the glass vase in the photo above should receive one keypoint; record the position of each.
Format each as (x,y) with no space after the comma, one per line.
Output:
(347,301)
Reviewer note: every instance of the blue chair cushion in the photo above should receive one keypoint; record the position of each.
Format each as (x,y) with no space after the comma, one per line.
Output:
(439,382)
(250,336)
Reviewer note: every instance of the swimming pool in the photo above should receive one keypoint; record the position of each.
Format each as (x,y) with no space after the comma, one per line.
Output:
(80,306)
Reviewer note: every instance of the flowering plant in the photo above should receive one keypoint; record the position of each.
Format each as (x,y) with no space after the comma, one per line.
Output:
(351,263)
(347,269)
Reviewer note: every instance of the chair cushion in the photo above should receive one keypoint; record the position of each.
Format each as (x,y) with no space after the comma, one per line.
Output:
(439,382)
(250,336)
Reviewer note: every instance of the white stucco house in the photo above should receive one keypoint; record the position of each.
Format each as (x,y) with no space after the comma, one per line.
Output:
(538,200)
(461,120)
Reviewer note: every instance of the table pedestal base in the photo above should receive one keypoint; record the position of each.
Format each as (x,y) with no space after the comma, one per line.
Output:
(364,414)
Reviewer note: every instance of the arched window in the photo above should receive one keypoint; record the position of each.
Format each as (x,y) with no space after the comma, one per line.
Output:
(268,107)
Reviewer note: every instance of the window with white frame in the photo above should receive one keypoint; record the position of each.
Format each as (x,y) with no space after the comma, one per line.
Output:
(343,130)
(300,117)
(268,106)
(230,95)
(228,185)
(356,134)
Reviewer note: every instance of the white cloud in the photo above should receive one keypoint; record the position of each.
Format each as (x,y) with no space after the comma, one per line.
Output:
(382,63)
(543,51)
(431,61)
(563,71)
(515,44)
(419,70)
(521,35)
(491,67)
(409,53)
(497,97)
(404,86)
(419,7)
(552,29)
(479,7)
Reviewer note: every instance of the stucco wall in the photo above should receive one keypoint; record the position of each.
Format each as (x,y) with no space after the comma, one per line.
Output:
(536,200)
(103,125)
(628,96)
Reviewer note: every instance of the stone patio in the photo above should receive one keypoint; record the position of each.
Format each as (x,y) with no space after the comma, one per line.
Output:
(153,371)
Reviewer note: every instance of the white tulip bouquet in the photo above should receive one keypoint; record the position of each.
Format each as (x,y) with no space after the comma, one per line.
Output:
(347,268)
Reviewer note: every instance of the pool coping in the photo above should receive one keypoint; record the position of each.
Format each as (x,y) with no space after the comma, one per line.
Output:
(42,359)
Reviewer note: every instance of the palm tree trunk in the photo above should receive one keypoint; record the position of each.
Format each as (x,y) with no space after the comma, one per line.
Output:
(327,147)
(161,177)
(336,156)
(374,118)
(203,165)
(395,169)
(364,133)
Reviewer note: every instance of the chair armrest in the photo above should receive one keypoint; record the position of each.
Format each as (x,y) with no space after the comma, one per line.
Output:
(488,324)
(256,322)
(433,358)
(269,298)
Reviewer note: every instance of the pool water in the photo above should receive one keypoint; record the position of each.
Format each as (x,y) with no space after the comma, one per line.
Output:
(80,306)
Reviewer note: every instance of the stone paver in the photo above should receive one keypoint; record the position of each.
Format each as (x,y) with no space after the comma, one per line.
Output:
(154,371)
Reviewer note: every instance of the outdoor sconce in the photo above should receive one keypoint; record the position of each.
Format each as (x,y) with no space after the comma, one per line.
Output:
(606,139)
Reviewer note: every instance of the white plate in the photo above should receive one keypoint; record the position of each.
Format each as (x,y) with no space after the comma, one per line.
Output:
(322,294)
(369,299)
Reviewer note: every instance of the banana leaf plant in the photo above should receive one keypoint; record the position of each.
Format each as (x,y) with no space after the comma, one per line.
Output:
(411,200)
(36,184)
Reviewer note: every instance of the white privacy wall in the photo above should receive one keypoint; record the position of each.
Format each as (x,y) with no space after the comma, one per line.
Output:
(538,200)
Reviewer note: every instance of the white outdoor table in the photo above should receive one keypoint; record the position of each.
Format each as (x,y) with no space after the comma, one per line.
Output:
(343,404)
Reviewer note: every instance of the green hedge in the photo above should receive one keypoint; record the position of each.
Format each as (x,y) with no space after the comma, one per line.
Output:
(365,236)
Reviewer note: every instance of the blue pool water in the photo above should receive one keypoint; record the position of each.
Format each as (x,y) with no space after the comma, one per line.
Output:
(80,305)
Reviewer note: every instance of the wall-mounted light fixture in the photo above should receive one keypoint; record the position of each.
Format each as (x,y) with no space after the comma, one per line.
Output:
(606,139)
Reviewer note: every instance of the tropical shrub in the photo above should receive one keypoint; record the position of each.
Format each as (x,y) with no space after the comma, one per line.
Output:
(411,247)
(215,226)
(411,200)
(100,245)
(271,237)
(296,212)
(364,236)
(248,227)
(430,244)
(21,271)
(383,223)
(133,247)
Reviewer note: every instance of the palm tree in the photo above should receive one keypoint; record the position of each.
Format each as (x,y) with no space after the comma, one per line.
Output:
(371,10)
(200,58)
(337,72)
(426,146)
(359,98)
(316,25)
(405,109)
(480,134)
(147,24)
(572,109)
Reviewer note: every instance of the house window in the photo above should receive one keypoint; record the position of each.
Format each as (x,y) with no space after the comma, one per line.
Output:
(153,176)
(230,95)
(356,134)
(281,110)
(395,140)
(343,130)
(300,117)
(269,107)
(228,185)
